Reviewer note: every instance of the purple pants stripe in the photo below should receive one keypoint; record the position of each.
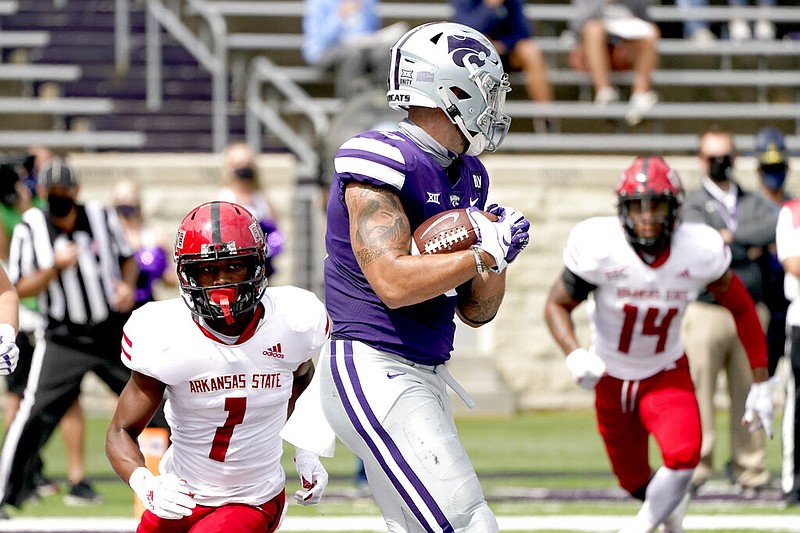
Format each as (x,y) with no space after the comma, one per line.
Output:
(387,441)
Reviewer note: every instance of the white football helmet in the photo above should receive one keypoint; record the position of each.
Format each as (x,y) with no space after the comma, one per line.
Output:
(454,68)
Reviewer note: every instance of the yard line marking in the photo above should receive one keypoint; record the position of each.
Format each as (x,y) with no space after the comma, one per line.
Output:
(589,523)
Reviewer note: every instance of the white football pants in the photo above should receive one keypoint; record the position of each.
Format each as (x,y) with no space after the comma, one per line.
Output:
(397,418)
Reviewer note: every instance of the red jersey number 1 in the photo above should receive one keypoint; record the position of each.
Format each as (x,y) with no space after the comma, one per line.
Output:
(222,437)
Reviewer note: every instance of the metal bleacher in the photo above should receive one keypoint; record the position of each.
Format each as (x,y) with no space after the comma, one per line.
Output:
(33,108)
(742,85)
(249,54)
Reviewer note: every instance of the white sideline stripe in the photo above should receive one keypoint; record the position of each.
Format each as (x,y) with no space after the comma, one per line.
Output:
(592,523)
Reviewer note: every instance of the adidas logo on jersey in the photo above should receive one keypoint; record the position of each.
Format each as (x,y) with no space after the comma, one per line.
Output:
(275,351)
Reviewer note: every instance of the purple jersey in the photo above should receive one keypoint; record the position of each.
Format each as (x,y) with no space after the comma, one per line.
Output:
(422,333)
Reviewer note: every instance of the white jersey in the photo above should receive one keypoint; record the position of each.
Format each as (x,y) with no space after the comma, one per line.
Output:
(226,404)
(787,241)
(637,309)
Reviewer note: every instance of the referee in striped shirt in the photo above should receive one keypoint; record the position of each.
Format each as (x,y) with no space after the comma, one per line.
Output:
(75,259)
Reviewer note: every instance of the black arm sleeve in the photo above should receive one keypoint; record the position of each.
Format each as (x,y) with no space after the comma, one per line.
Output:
(577,287)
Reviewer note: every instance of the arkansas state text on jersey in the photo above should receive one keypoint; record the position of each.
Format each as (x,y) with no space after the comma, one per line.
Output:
(229,401)
(638,308)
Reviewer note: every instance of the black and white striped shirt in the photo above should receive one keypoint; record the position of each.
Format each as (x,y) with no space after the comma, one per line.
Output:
(79,295)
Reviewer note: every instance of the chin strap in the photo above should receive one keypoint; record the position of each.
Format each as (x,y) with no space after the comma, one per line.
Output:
(223,297)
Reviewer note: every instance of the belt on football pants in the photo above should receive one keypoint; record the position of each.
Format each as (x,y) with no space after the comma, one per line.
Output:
(442,372)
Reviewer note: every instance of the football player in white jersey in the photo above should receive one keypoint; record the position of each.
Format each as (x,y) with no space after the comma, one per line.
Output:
(643,268)
(230,367)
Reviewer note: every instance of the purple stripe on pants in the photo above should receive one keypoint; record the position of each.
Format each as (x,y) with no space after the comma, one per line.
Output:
(385,438)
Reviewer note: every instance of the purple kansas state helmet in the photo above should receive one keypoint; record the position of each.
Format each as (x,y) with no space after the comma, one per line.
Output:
(454,68)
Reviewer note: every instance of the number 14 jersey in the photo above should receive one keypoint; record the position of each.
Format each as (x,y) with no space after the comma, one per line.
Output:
(637,309)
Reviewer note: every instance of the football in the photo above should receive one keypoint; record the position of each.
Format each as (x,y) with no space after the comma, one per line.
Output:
(449,231)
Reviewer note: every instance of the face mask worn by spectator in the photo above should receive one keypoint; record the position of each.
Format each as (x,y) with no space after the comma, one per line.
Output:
(127,211)
(60,206)
(719,168)
(244,173)
(773,176)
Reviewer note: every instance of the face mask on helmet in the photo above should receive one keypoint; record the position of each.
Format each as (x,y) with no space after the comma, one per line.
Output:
(220,258)
(649,196)
(454,68)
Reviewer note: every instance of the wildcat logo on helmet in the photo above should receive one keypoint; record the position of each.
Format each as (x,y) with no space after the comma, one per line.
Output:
(467,48)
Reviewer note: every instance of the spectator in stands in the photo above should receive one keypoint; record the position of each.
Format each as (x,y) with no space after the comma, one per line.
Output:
(746,222)
(328,23)
(150,248)
(738,29)
(19,193)
(773,166)
(346,35)
(76,259)
(241,185)
(505,24)
(617,35)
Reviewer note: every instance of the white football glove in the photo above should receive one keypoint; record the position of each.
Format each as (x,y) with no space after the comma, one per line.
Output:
(759,403)
(313,477)
(9,352)
(165,496)
(586,367)
(493,237)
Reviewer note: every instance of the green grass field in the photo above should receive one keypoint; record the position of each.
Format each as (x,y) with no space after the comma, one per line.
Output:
(517,458)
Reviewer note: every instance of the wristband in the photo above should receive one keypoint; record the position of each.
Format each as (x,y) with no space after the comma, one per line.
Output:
(479,263)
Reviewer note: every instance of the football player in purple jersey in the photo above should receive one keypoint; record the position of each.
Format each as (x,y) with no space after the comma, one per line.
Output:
(383,376)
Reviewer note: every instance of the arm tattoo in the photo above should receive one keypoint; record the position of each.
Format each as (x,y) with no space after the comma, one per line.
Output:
(479,311)
(381,225)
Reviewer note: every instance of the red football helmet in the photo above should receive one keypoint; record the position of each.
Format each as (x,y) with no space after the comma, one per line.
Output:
(217,231)
(649,178)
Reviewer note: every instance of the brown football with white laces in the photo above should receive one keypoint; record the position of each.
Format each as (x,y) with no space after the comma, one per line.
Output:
(446,232)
